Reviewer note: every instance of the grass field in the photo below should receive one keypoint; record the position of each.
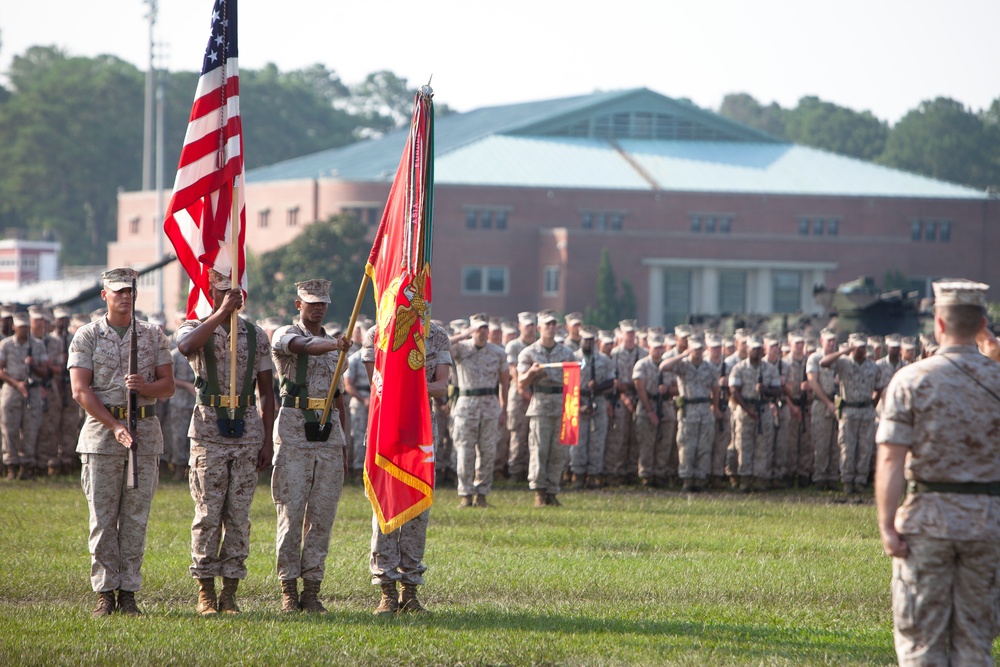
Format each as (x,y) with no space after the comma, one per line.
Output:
(608,579)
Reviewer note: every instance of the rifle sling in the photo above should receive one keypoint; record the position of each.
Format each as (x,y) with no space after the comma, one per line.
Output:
(211,383)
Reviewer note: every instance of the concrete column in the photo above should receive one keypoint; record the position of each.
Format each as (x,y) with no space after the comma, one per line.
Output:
(655,309)
(709,302)
(762,292)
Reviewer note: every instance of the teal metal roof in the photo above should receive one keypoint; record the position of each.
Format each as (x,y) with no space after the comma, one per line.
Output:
(590,142)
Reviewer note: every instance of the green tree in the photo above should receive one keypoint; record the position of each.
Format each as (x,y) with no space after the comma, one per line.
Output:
(627,305)
(837,129)
(744,109)
(335,249)
(943,139)
(604,314)
(70,136)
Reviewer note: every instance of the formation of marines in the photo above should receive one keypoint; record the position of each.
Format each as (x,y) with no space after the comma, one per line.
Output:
(690,409)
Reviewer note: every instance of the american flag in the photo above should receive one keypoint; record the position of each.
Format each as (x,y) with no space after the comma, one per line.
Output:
(198,218)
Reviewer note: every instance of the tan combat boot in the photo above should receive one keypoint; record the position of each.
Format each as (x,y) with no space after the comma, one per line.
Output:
(310,597)
(208,605)
(480,501)
(408,602)
(105,604)
(289,596)
(465,502)
(389,604)
(540,498)
(551,500)
(579,481)
(227,596)
(126,603)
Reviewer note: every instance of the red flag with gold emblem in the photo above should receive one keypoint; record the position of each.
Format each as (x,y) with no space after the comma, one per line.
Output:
(399,461)
(569,434)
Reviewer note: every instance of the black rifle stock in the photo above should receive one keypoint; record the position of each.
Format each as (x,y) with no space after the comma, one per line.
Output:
(132,416)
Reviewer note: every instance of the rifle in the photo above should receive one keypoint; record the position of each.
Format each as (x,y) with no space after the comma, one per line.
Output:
(760,397)
(803,401)
(723,395)
(132,410)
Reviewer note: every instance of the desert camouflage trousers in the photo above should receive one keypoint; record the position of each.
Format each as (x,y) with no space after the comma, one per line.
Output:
(399,555)
(547,456)
(59,429)
(475,453)
(223,480)
(696,432)
(826,451)
(657,455)
(944,602)
(754,444)
(306,486)
(856,438)
(587,457)
(621,453)
(118,518)
(20,419)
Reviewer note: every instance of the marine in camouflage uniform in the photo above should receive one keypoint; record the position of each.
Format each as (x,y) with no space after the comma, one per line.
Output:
(545,411)
(823,414)
(483,384)
(621,454)
(98,364)
(800,450)
(723,427)
(181,407)
(859,378)
(597,377)
(308,476)
(754,383)
(937,439)
(780,412)
(224,466)
(47,443)
(23,366)
(698,390)
(399,556)
(69,418)
(517,400)
(356,385)
(655,416)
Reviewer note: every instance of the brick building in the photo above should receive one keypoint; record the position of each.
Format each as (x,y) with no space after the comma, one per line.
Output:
(701,214)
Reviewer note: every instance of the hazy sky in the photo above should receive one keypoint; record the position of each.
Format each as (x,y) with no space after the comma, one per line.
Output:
(881,55)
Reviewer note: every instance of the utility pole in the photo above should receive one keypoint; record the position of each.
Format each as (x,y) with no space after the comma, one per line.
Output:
(147,137)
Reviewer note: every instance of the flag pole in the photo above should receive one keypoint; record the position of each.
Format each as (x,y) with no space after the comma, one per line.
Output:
(233,317)
(349,332)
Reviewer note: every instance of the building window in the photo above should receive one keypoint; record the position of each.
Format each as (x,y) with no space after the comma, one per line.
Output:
(501,219)
(484,280)
(587,220)
(818,226)
(786,291)
(262,217)
(133,225)
(602,222)
(930,231)
(293,216)
(725,224)
(709,225)
(676,296)
(551,284)
(617,221)
(832,227)
(470,219)
(29,262)
(486,219)
(367,215)
(732,291)
(944,232)
(916,230)
(695,223)
(804,226)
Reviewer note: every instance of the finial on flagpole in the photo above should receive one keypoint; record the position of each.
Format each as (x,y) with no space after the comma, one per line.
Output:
(427,91)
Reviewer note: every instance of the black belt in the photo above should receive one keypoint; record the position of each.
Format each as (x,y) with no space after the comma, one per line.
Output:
(974,488)
(482,391)
(119,412)
(690,401)
(857,404)
(548,389)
